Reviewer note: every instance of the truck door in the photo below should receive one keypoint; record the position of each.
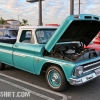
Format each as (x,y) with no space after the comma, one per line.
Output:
(24,51)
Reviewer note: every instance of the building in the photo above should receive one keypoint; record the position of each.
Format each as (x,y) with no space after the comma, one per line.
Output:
(5,25)
(13,23)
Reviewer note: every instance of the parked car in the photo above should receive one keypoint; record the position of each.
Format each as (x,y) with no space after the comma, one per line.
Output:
(96,40)
(8,35)
(93,45)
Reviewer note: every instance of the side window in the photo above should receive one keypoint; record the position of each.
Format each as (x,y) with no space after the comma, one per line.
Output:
(26,36)
(1,33)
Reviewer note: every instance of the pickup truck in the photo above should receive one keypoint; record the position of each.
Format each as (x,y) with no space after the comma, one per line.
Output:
(59,51)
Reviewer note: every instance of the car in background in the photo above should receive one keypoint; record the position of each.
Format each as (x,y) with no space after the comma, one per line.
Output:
(8,35)
(93,45)
(96,40)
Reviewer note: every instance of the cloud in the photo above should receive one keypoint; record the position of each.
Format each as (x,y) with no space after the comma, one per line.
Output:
(54,11)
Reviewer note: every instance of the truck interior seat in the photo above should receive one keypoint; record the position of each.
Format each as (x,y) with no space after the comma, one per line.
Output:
(26,41)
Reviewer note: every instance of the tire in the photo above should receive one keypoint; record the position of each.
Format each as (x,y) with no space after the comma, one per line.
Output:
(56,78)
(2,66)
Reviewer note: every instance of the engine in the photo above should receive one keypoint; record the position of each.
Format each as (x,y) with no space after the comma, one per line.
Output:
(72,52)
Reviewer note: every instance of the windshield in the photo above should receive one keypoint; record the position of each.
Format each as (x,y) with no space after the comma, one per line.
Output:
(13,32)
(43,35)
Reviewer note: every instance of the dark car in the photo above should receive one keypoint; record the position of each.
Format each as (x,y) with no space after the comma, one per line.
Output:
(8,35)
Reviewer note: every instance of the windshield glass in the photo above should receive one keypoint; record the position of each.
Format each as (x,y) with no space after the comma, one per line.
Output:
(13,32)
(43,35)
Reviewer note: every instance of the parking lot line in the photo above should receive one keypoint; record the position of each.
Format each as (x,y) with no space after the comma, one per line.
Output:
(27,90)
(35,86)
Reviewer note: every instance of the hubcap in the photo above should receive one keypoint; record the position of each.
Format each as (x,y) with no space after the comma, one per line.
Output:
(54,78)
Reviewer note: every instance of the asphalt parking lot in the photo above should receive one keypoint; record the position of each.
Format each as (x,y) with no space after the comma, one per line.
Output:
(15,80)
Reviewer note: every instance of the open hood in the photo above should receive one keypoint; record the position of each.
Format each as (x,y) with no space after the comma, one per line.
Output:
(83,28)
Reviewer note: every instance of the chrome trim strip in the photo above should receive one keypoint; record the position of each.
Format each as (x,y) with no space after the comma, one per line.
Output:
(53,61)
(91,69)
(18,54)
(91,64)
(29,56)
(5,51)
(15,53)
(22,55)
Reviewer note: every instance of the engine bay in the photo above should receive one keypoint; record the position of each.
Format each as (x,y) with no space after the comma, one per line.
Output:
(72,52)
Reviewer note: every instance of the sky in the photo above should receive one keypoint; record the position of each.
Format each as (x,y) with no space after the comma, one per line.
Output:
(53,11)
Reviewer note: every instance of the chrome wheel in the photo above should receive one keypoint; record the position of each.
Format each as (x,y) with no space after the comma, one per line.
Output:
(56,78)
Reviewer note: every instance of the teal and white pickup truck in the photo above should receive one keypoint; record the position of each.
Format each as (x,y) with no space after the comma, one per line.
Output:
(59,51)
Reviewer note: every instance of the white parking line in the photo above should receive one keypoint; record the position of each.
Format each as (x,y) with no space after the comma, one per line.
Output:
(27,90)
(35,86)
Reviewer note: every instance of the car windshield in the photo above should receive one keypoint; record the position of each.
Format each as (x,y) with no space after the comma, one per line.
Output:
(43,35)
(13,32)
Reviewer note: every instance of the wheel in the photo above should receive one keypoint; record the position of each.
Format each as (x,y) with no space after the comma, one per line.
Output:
(56,78)
(2,66)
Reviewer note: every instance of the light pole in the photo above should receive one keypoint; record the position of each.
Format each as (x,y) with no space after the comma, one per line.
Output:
(71,7)
(40,10)
(18,16)
(79,6)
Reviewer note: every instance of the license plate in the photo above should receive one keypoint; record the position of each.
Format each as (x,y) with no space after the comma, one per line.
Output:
(97,72)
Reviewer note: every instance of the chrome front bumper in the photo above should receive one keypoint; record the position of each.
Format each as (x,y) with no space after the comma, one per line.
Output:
(82,80)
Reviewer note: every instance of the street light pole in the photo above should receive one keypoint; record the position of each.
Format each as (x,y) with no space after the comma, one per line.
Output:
(71,7)
(40,12)
(18,16)
(79,6)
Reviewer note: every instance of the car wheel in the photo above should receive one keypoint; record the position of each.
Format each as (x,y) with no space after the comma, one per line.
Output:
(56,78)
(2,66)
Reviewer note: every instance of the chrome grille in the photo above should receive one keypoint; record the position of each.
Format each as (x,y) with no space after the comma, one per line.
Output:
(91,66)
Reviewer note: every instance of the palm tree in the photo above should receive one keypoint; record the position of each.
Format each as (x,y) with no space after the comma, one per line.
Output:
(2,21)
(24,21)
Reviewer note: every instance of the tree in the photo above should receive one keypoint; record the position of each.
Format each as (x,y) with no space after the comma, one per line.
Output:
(24,21)
(2,21)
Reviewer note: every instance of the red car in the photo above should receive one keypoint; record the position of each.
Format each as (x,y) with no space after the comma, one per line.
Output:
(96,40)
(93,46)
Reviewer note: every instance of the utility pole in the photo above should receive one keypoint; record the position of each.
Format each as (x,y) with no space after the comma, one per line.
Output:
(40,13)
(79,6)
(71,7)
(18,16)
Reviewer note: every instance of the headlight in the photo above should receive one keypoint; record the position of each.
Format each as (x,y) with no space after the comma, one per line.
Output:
(78,71)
